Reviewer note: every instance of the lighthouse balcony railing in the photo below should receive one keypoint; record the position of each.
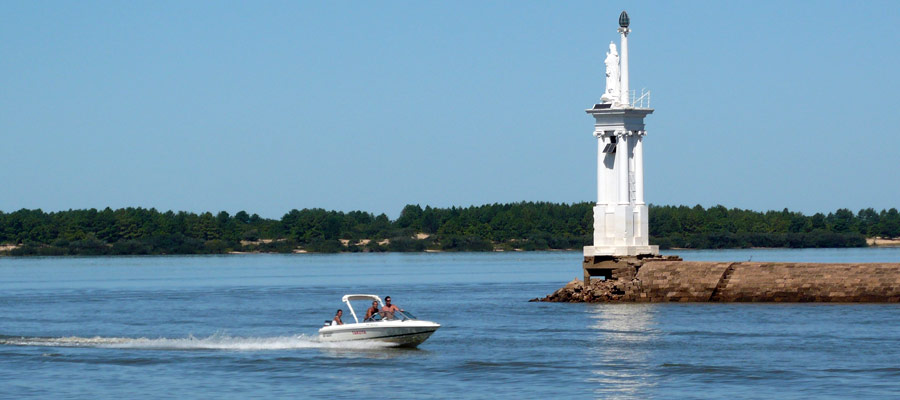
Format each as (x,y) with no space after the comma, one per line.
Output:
(642,101)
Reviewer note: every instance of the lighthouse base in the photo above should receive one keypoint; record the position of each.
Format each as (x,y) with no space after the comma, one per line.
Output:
(620,251)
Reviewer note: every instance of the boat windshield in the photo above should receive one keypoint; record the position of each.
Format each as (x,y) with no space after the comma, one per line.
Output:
(392,316)
(359,305)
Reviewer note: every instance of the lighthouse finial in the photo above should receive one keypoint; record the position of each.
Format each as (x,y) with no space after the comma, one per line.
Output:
(623,20)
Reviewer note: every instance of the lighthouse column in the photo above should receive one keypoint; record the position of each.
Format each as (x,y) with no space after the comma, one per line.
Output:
(601,169)
(602,191)
(623,29)
(641,217)
(639,168)
(622,166)
(623,217)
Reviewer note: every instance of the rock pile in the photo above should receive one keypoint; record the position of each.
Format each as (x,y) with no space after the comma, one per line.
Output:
(600,291)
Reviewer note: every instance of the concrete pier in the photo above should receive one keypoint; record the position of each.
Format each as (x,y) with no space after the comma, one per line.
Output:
(673,280)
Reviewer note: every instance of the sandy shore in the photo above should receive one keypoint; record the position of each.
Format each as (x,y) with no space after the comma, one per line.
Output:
(882,242)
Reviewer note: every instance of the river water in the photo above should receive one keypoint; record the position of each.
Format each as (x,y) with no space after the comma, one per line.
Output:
(244,326)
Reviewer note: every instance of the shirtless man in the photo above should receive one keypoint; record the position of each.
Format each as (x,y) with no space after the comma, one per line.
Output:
(372,311)
(387,312)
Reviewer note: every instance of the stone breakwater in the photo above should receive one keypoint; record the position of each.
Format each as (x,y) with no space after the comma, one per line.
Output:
(688,281)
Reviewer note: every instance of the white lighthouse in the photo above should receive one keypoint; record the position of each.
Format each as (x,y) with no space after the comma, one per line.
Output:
(620,215)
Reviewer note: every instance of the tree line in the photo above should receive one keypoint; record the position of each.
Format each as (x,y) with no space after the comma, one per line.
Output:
(513,226)
(719,227)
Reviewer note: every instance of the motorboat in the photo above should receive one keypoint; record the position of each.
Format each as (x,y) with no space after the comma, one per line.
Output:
(396,329)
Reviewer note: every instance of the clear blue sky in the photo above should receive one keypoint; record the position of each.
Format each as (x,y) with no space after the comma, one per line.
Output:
(269,106)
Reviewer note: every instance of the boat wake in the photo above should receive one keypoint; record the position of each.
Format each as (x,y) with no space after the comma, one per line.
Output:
(213,342)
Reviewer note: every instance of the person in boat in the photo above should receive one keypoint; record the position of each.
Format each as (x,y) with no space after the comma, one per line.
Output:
(387,312)
(337,318)
(372,311)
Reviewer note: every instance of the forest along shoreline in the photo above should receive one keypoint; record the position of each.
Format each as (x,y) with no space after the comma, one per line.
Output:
(524,226)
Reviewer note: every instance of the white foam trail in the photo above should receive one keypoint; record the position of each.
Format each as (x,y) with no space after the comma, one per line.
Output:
(214,342)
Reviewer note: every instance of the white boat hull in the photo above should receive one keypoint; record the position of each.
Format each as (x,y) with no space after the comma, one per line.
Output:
(396,333)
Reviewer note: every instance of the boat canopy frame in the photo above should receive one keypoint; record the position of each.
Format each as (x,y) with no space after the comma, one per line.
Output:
(350,297)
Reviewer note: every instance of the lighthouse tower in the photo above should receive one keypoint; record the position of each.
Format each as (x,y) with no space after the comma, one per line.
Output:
(620,215)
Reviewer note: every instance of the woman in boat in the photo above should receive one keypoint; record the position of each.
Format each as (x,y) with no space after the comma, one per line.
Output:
(337,318)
